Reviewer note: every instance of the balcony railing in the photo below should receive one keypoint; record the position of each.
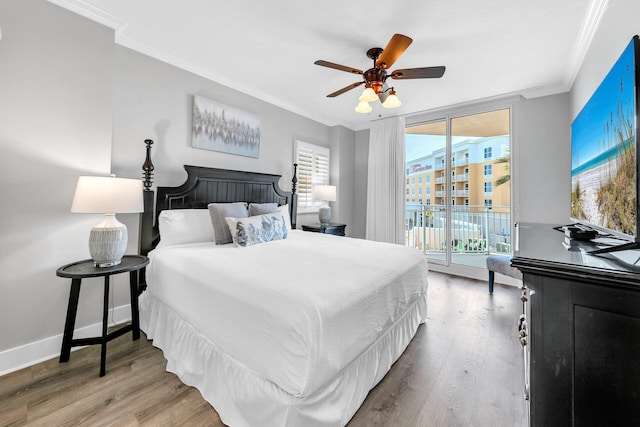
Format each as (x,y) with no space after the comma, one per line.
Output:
(460,162)
(474,229)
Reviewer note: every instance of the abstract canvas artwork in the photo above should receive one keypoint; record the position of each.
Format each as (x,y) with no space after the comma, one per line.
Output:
(219,127)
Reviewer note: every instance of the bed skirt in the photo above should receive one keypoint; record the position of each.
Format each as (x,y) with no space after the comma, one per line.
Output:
(244,399)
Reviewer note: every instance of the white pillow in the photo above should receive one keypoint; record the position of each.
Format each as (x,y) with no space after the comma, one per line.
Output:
(257,229)
(287,217)
(179,226)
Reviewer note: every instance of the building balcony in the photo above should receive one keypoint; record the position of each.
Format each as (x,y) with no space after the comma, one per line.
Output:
(475,230)
(461,162)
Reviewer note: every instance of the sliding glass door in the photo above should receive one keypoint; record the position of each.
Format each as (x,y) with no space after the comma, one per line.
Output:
(426,183)
(458,196)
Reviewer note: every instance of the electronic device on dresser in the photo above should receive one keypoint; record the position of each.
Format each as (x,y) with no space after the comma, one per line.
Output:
(604,158)
(579,232)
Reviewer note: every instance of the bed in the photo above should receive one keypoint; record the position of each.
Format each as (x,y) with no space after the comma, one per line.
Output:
(291,331)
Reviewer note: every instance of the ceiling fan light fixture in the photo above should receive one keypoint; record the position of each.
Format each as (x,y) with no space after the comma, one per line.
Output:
(374,79)
(363,107)
(392,100)
(368,95)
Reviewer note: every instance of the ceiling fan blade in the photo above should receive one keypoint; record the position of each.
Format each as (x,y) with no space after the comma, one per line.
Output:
(418,73)
(344,89)
(396,47)
(338,67)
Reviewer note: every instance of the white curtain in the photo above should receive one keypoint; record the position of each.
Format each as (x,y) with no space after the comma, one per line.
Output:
(385,184)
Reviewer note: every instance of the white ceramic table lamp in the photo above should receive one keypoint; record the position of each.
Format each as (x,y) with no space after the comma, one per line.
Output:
(107,195)
(325,193)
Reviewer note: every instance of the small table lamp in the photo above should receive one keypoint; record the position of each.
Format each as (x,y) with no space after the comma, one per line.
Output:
(107,195)
(326,193)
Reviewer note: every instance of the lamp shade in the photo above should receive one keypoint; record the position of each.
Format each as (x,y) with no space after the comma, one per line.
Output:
(363,107)
(325,193)
(105,194)
(368,95)
(392,101)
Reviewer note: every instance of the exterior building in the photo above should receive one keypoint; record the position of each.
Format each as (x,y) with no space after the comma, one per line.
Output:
(474,171)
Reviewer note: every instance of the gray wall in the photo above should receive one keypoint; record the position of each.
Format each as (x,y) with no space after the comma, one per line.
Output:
(342,174)
(542,164)
(153,100)
(55,110)
(75,103)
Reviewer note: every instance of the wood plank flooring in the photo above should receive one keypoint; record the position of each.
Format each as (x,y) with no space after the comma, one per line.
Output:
(463,368)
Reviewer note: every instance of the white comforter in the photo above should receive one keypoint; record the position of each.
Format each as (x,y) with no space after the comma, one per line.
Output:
(294,311)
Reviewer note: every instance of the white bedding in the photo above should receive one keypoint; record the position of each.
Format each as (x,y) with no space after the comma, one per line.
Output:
(296,312)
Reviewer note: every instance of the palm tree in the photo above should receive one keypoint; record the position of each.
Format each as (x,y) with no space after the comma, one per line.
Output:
(507,168)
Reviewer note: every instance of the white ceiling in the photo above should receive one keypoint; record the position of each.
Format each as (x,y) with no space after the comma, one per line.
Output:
(267,48)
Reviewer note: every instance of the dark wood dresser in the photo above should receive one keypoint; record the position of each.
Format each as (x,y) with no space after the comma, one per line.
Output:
(580,330)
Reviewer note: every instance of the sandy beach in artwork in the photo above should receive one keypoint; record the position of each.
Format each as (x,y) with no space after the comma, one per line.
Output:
(590,181)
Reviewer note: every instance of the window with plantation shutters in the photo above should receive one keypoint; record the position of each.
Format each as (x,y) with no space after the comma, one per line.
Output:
(313,169)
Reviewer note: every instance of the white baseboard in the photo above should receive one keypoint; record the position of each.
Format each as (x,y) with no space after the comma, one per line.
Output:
(26,355)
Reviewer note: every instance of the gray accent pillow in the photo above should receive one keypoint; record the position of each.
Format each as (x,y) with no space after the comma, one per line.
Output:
(220,211)
(262,208)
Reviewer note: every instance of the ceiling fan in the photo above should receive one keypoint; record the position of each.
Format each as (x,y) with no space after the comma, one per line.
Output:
(375,78)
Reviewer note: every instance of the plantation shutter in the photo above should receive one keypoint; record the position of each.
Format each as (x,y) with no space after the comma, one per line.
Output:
(313,169)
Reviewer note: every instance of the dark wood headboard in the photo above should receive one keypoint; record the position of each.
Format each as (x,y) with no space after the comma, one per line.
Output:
(208,185)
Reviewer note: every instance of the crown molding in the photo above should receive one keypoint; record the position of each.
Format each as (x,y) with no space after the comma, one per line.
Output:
(163,56)
(587,32)
(92,12)
(103,17)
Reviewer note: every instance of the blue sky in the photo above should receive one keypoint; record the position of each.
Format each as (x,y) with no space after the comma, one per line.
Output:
(421,145)
(588,137)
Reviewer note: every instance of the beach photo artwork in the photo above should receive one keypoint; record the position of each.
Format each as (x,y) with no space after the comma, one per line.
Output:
(603,151)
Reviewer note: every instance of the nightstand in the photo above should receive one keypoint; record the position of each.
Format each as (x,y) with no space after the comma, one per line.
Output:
(332,228)
(83,269)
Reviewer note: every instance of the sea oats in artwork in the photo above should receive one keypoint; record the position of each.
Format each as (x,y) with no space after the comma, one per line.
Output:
(603,151)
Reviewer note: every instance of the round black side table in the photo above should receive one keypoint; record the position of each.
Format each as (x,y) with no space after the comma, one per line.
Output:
(333,228)
(83,269)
